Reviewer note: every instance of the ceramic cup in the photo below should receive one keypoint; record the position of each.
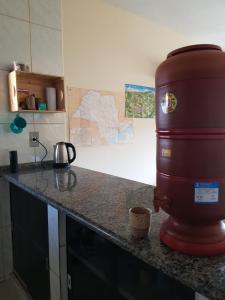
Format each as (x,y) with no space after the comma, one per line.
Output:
(139,219)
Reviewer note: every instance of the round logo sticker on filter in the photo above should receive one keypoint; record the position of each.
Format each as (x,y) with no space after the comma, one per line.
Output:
(168,103)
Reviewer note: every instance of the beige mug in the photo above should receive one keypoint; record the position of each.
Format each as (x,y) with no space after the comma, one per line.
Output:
(139,219)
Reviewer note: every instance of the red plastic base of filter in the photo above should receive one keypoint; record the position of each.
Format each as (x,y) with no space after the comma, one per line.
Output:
(188,247)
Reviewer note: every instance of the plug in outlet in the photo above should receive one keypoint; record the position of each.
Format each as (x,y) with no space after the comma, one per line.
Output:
(33,135)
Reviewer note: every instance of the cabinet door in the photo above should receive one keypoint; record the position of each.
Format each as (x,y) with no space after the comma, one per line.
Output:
(30,215)
(38,282)
(21,254)
(100,268)
(87,283)
(140,281)
(90,265)
(19,207)
(92,249)
(30,242)
(31,265)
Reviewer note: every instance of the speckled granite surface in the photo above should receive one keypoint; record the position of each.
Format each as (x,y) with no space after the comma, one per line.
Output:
(26,166)
(102,202)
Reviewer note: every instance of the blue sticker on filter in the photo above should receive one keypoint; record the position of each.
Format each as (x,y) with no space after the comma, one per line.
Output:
(206,192)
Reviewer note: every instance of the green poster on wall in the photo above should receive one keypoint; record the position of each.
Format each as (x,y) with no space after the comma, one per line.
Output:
(139,101)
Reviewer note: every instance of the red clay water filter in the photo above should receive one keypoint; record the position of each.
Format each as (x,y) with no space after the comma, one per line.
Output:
(190,122)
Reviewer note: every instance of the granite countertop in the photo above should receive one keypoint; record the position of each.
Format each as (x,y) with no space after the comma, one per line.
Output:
(102,202)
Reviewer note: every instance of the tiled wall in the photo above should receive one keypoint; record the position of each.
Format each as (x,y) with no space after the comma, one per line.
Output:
(30,32)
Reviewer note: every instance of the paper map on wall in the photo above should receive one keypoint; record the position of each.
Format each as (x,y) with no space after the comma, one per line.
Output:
(98,118)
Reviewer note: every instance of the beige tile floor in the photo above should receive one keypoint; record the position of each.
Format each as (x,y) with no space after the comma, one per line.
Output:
(12,290)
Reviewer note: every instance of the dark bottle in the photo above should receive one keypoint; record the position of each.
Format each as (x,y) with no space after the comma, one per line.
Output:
(13,161)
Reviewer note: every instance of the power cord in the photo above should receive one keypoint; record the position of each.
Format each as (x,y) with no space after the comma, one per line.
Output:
(46,151)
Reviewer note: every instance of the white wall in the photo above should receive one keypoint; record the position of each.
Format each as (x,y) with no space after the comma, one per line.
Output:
(104,48)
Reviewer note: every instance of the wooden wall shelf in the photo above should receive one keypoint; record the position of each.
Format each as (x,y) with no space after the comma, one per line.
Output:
(38,111)
(22,84)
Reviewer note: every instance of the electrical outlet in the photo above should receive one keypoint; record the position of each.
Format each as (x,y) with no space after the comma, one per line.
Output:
(33,135)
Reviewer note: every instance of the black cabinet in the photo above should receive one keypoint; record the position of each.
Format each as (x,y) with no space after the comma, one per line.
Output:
(98,268)
(30,242)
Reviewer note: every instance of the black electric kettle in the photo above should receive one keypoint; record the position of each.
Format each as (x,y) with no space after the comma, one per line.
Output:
(62,155)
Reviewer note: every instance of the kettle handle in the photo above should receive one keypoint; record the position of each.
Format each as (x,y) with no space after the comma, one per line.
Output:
(74,180)
(69,145)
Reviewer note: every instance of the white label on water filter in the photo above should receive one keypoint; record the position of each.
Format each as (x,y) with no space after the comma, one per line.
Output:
(206,192)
